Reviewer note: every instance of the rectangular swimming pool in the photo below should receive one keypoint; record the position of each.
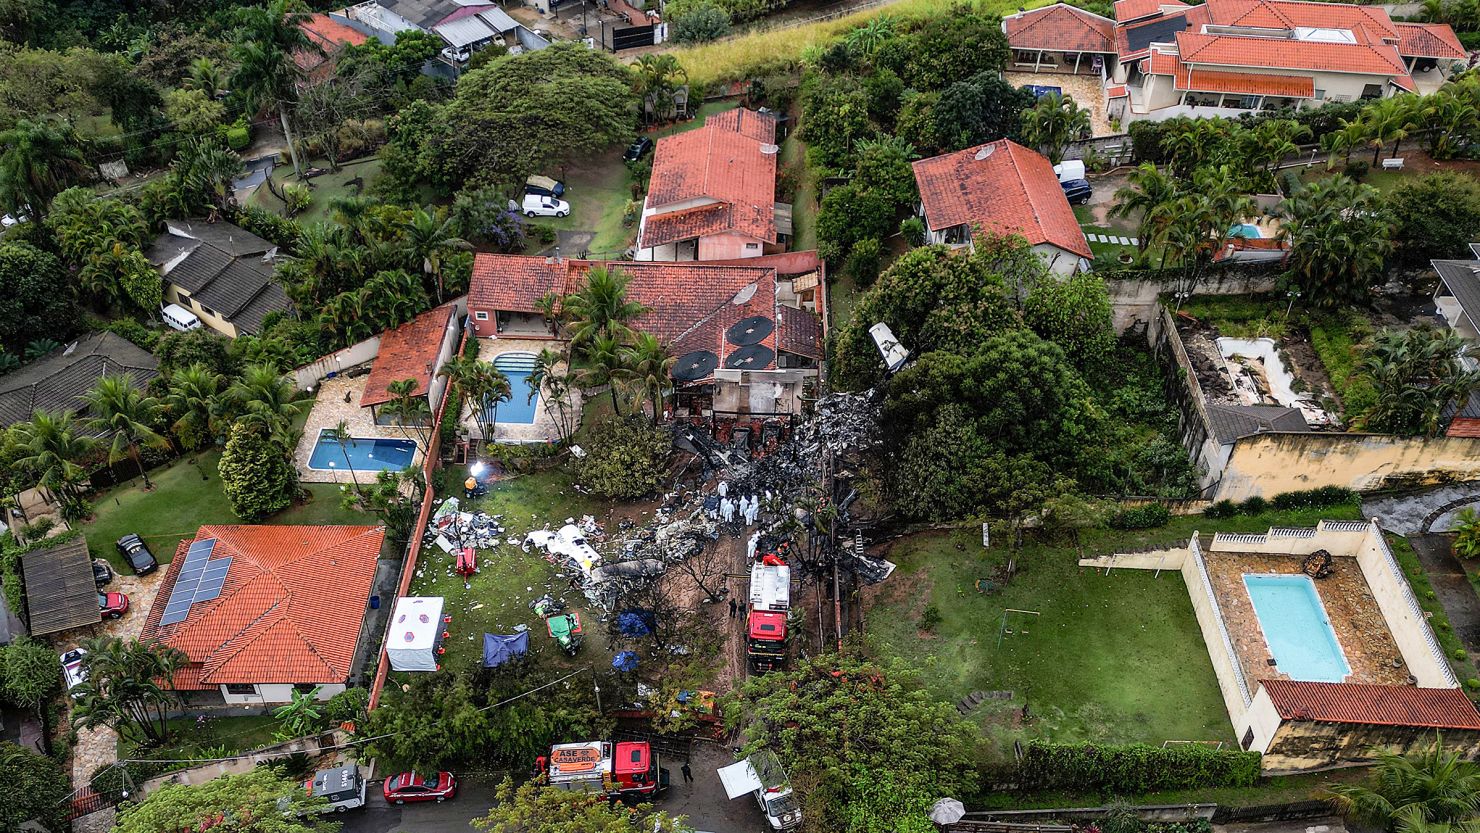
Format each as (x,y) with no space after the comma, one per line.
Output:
(521,408)
(1296,628)
(362,453)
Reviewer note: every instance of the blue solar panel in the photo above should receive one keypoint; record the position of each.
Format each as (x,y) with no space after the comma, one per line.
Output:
(199,580)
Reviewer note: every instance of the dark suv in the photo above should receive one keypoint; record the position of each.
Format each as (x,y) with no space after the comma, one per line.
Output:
(139,557)
(1077,191)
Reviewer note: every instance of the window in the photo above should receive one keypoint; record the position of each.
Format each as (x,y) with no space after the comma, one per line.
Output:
(749,246)
(1248,739)
(304,688)
(1372,91)
(240,688)
(481,315)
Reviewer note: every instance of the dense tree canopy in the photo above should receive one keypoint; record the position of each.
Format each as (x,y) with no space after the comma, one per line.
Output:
(35,788)
(1437,216)
(254,801)
(1075,314)
(36,297)
(1340,237)
(534,809)
(982,108)
(256,474)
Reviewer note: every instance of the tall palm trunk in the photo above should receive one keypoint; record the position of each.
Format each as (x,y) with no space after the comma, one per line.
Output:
(288,134)
(139,461)
(611,388)
(344,449)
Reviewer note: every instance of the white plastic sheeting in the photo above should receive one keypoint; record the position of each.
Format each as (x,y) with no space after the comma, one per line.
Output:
(415,625)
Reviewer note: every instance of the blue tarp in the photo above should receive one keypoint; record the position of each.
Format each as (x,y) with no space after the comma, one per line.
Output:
(635,622)
(498,650)
(625,661)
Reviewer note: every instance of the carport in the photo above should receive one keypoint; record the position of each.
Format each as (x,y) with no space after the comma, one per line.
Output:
(60,593)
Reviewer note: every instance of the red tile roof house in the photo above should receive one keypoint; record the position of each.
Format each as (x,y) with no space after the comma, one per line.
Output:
(713,193)
(331,35)
(1227,57)
(263,610)
(746,333)
(1001,188)
(1061,38)
(415,350)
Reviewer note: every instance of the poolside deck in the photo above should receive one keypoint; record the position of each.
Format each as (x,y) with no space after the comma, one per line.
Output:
(339,399)
(1360,627)
(544,428)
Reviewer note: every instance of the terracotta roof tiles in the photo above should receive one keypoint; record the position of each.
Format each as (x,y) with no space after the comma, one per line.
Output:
(1382,705)
(801,332)
(1428,40)
(1003,187)
(408,352)
(290,610)
(731,160)
(1128,10)
(1060,28)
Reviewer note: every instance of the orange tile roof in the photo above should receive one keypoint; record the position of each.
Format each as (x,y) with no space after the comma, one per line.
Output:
(1060,28)
(1250,83)
(1241,51)
(1128,10)
(801,332)
(1012,190)
(688,224)
(290,611)
(407,352)
(1290,14)
(1382,705)
(330,35)
(1463,427)
(731,159)
(1116,91)
(1428,40)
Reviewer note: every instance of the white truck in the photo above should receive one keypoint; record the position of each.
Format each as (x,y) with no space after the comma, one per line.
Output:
(765,618)
(762,776)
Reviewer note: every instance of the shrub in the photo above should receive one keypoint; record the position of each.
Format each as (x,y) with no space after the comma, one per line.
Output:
(1314,498)
(239,135)
(912,229)
(1150,516)
(267,225)
(1221,509)
(1467,534)
(848,215)
(863,262)
(297,198)
(1133,769)
(1253,506)
(348,706)
(256,475)
(1472,683)
(701,25)
(1460,655)
(930,618)
(542,233)
(141,336)
(625,458)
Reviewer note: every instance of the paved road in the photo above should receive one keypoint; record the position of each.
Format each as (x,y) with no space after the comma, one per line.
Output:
(474,799)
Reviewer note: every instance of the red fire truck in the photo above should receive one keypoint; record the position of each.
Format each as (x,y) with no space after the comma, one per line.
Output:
(625,770)
(770,599)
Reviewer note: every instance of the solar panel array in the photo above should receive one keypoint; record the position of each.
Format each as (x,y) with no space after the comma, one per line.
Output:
(200,580)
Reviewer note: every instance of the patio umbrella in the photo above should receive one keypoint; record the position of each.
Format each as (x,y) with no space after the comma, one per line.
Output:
(947,811)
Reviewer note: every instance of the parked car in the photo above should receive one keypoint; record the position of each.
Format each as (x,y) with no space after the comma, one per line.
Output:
(538,206)
(544,186)
(72,673)
(112,605)
(457,54)
(133,548)
(1077,191)
(102,573)
(639,148)
(411,787)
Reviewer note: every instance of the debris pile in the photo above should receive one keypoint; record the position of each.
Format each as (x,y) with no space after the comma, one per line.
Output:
(451,529)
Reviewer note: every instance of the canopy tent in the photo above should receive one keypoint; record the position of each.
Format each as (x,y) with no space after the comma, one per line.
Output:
(416,631)
(499,649)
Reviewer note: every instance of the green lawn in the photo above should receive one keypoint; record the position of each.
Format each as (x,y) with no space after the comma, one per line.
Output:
(1113,658)
(508,578)
(325,187)
(213,737)
(185,496)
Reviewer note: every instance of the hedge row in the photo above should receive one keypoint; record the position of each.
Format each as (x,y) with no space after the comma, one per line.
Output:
(1284,501)
(1133,769)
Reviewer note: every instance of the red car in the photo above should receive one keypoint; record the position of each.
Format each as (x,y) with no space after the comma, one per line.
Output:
(112,605)
(411,786)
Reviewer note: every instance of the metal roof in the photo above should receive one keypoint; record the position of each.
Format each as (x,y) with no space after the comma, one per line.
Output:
(60,593)
(56,381)
(224,268)
(464,31)
(1231,422)
(1463,282)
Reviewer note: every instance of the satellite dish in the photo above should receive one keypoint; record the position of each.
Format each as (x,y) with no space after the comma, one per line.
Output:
(744,295)
(691,367)
(752,330)
(985,152)
(750,357)
(770,150)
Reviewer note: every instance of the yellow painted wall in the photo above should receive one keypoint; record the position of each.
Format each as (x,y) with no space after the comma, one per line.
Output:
(1268,464)
(211,320)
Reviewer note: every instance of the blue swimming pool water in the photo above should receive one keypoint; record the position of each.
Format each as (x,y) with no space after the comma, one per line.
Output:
(364,454)
(1246,230)
(1296,628)
(520,409)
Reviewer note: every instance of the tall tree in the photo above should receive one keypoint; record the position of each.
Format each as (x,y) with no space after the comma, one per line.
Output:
(38,160)
(1416,373)
(410,411)
(265,398)
(266,74)
(256,474)
(647,363)
(601,307)
(30,673)
(128,686)
(117,408)
(1430,785)
(194,401)
(1339,237)
(551,376)
(532,808)
(1149,197)
(1052,123)
(431,236)
(50,445)
(256,801)
(35,787)
(605,365)
(344,439)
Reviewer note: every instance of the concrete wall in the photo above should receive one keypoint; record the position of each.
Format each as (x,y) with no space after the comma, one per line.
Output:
(1302,745)
(1171,558)
(1215,634)
(730,247)
(276,693)
(451,337)
(1259,725)
(1340,538)
(312,746)
(1182,390)
(340,360)
(1405,619)
(1060,261)
(1268,464)
(1134,294)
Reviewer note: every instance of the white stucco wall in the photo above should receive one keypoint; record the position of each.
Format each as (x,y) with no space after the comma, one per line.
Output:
(276,693)
(1215,634)
(1405,619)
(1262,718)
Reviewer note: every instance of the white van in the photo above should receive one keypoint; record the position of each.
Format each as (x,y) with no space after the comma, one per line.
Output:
(179,318)
(538,206)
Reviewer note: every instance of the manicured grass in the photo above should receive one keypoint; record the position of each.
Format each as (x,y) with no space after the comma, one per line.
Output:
(1464,669)
(1115,658)
(325,187)
(598,191)
(186,495)
(509,579)
(1336,340)
(804,202)
(213,737)
(1108,252)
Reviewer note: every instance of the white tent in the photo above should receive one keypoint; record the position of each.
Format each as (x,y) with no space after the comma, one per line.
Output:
(416,624)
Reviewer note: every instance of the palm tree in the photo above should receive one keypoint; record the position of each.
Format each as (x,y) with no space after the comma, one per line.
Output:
(549,307)
(1200,220)
(1339,240)
(38,160)
(205,75)
(482,387)
(606,363)
(128,686)
(1416,373)
(600,307)
(557,387)
(121,410)
(1269,143)
(658,78)
(266,73)
(265,398)
(429,236)
(1343,140)
(866,39)
(1431,786)
(410,411)
(340,434)
(1149,196)
(650,367)
(49,445)
(1451,118)
(194,400)
(1052,123)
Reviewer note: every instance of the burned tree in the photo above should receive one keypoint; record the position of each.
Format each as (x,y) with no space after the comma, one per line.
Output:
(706,568)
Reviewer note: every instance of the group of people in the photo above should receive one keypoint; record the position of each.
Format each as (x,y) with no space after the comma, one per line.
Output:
(721,507)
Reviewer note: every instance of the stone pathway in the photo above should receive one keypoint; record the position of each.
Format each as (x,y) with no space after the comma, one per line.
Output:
(1424,512)
(1110,238)
(1451,586)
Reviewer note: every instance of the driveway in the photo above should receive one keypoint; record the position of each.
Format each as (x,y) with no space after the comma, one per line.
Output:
(1423,512)
(1451,586)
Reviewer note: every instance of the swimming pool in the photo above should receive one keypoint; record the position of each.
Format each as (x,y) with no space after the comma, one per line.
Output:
(362,453)
(521,408)
(1296,628)
(1248,231)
